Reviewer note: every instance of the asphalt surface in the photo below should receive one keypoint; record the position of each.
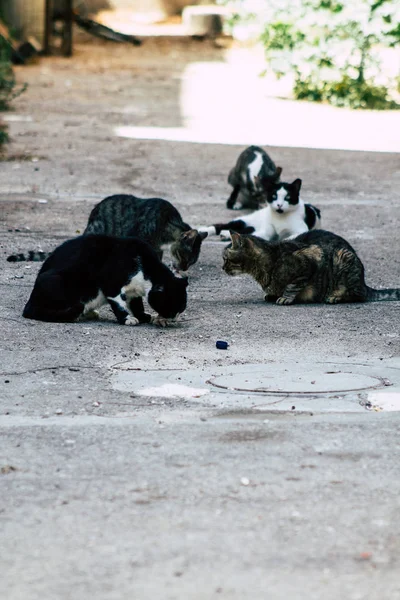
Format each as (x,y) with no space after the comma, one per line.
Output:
(144,462)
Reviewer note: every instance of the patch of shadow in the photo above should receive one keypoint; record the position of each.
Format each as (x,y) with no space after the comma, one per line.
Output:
(353,456)
(250,435)
(257,415)
(129,180)
(22,156)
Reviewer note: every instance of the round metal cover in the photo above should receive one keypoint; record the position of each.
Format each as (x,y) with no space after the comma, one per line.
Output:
(316,380)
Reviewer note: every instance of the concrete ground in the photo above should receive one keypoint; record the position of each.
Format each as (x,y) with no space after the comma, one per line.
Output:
(143,462)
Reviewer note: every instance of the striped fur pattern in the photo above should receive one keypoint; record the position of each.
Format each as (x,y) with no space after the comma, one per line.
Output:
(317,266)
(31,255)
(153,220)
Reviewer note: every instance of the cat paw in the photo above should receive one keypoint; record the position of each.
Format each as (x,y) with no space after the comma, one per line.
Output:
(131,320)
(270,298)
(332,300)
(283,300)
(208,230)
(159,321)
(234,206)
(225,236)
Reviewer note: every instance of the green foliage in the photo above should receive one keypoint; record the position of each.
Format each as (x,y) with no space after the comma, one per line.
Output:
(282,36)
(3,134)
(345,92)
(8,85)
(334,50)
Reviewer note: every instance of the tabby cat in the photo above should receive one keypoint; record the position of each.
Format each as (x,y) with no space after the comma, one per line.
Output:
(285,216)
(317,266)
(154,220)
(89,271)
(253,170)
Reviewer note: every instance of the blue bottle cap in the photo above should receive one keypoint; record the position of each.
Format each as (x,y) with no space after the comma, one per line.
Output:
(221,345)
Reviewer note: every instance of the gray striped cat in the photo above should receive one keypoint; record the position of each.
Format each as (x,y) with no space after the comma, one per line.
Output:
(153,220)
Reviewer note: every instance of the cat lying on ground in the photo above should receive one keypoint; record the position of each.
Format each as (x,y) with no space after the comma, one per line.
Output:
(317,266)
(285,216)
(154,220)
(89,271)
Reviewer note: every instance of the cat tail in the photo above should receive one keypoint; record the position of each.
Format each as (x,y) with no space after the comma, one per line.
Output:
(52,315)
(31,255)
(388,295)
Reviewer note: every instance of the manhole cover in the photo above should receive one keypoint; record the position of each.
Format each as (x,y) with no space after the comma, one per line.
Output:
(272,380)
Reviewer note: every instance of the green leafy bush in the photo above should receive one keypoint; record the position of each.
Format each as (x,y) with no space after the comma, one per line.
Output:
(335,51)
(8,85)
(3,133)
(9,89)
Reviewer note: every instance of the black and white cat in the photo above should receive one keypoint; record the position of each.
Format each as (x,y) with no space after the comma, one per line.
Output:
(89,271)
(285,216)
(254,169)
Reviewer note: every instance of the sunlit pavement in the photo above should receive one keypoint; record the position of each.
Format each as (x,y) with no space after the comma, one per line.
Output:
(229,103)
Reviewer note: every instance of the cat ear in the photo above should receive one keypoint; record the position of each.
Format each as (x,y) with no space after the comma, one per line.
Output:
(278,173)
(190,235)
(297,185)
(236,239)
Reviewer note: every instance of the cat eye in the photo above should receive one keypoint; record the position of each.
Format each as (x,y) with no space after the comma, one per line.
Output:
(274,196)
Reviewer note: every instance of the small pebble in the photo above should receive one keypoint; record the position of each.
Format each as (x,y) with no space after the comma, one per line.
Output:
(244,481)
(95,403)
(59,411)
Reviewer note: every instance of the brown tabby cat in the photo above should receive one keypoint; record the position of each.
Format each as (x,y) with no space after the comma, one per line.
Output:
(316,266)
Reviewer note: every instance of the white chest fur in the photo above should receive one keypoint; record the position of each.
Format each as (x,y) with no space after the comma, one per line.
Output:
(289,223)
(269,224)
